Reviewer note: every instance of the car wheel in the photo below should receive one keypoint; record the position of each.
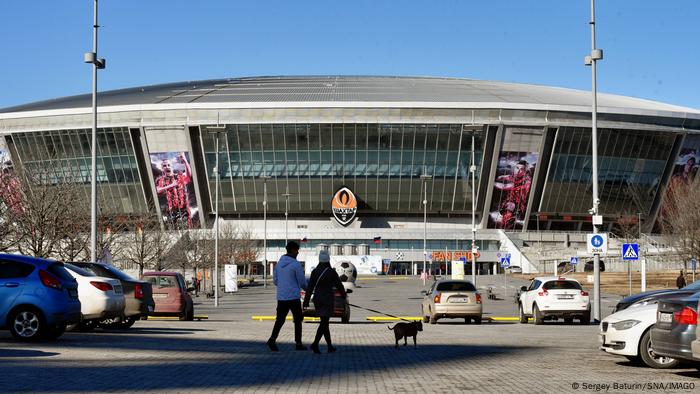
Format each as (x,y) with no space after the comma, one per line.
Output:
(127,322)
(477,320)
(586,318)
(426,319)
(86,326)
(522,318)
(568,320)
(27,324)
(468,320)
(190,314)
(539,319)
(433,319)
(650,358)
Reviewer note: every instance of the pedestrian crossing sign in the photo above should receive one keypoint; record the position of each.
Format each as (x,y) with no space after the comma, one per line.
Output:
(630,251)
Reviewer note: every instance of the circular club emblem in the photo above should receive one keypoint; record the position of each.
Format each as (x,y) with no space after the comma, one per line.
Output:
(344,206)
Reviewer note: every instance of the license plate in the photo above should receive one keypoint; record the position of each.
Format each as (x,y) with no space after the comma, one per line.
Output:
(665,317)
(160,295)
(565,297)
(459,299)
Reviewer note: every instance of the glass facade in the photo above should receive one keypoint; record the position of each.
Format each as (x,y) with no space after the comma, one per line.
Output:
(380,163)
(630,165)
(65,156)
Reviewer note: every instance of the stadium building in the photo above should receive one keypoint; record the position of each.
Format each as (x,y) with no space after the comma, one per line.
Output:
(356,162)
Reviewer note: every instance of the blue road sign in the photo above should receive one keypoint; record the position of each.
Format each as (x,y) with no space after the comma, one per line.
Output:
(463,259)
(505,261)
(630,251)
(573,260)
(597,241)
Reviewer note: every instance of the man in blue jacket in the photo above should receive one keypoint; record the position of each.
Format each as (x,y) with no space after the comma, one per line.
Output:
(289,279)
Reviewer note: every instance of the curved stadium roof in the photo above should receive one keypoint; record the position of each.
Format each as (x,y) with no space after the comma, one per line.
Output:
(355,91)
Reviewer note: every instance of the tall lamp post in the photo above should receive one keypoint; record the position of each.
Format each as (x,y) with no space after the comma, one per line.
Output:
(472,169)
(590,60)
(97,64)
(265,178)
(216,131)
(286,215)
(425,179)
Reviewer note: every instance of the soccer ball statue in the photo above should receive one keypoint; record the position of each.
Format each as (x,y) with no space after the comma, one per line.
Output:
(347,273)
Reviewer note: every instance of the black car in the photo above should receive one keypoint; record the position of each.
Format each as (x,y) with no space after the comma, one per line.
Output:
(655,295)
(137,294)
(674,331)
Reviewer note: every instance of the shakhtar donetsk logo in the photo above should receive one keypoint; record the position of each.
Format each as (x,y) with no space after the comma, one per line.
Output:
(344,206)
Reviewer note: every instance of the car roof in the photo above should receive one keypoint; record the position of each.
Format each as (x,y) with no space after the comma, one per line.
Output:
(26,259)
(161,273)
(549,278)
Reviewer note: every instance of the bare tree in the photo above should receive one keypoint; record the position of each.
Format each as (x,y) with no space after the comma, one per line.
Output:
(42,208)
(680,217)
(148,246)
(236,245)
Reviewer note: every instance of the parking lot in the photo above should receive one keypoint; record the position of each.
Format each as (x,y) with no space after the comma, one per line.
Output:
(227,353)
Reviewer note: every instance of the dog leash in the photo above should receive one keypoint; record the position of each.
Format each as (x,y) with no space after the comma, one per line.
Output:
(381,313)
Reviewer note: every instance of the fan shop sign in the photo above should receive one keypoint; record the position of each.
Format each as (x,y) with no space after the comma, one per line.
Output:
(453,255)
(344,206)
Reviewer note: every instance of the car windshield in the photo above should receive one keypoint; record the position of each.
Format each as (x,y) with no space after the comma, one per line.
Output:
(162,281)
(455,286)
(693,286)
(78,270)
(562,285)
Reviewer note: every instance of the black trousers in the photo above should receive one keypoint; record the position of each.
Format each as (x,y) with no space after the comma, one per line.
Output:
(323,330)
(283,308)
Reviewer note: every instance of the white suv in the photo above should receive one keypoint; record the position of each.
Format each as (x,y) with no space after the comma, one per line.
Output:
(552,298)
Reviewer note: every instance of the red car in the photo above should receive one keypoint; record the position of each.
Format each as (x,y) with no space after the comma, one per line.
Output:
(341,307)
(170,294)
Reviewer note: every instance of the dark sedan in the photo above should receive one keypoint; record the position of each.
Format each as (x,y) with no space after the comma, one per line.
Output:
(655,295)
(676,320)
(138,294)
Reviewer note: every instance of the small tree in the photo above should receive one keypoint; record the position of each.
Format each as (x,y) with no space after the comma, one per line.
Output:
(681,215)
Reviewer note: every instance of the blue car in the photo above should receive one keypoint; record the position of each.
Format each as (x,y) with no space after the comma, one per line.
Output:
(38,298)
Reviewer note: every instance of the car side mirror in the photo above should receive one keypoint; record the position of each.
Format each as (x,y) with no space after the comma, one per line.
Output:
(523,288)
(348,291)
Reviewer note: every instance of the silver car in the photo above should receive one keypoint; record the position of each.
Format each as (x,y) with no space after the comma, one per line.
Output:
(451,299)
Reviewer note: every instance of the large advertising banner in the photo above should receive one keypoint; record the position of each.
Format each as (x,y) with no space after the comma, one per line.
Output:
(175,189)
(513,180)
(685,168)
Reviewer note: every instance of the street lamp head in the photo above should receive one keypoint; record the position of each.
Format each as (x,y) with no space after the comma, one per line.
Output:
(425,202)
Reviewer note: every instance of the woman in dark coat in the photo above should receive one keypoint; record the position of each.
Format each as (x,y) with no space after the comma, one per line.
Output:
(323,283)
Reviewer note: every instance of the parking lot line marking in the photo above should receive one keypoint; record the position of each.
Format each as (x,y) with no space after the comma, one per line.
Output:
(262,318)
(196,317)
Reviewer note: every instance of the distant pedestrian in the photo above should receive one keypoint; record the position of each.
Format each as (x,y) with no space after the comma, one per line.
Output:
(289,278)
(680,281)
(195,284)
(323,284)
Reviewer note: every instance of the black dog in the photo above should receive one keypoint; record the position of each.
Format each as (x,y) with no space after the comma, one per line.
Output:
(405,330)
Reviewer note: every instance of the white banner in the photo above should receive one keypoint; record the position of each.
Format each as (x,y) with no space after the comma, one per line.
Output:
(365,265)
(230,278)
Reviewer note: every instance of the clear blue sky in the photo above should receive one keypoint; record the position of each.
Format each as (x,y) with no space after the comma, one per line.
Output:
(652,48)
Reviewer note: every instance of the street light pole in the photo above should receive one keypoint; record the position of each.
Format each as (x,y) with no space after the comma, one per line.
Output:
(217,130)
(97,63)
(595,55)
(265,178)
(425,179)
(472,169)
(286,215)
